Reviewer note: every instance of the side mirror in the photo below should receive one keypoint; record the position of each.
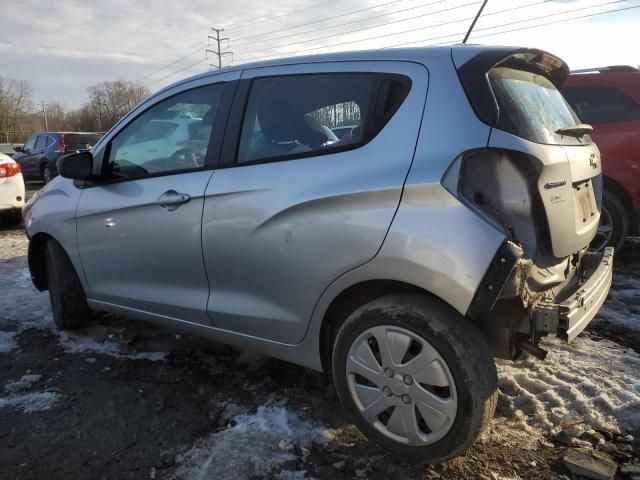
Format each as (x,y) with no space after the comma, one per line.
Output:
(18,149)
(77,166)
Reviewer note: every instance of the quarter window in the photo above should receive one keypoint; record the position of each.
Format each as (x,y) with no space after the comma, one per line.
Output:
(304,115)
(601,104)
(173,135)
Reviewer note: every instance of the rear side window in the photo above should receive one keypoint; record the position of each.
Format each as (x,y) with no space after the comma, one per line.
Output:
(595,104)
(530,106)
(41,142)
(305,115)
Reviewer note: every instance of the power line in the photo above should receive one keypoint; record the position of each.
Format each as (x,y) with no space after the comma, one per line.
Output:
(319,21)
(462,33)
(219,53)
(403,32)
(522,21)
(559,21)
(164,67)
(370,28)
(177,71)
(260,19)
(345,23)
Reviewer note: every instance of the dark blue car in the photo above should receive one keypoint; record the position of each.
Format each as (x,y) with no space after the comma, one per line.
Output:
(39,155)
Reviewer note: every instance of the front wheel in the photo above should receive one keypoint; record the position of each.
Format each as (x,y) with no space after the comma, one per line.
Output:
(68,301)
(417,377)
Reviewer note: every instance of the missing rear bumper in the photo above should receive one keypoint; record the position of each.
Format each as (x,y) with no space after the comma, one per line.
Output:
(574,309)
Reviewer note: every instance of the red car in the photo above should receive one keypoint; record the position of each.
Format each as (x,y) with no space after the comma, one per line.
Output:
(609,99)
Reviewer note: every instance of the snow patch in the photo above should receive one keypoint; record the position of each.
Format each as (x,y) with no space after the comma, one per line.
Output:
(597,382)
(74,343)
(30,402)
(250,447)
(25,383)
(7,341)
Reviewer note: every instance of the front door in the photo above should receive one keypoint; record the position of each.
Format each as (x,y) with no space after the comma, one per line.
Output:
(139,233)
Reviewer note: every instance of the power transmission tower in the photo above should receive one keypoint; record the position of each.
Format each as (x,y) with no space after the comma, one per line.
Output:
(44,115)
(218,52)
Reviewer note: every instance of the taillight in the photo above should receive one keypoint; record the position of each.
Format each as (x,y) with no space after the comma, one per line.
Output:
(61,146)
(9,170)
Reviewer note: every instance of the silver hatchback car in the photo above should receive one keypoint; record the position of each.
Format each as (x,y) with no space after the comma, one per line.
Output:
(449,225)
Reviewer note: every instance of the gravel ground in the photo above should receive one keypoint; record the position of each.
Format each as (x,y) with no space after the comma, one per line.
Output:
(123,399)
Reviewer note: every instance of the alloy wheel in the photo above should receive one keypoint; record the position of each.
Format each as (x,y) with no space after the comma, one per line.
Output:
(401,385)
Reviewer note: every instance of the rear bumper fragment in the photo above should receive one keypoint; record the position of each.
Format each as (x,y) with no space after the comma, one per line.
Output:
(578,307)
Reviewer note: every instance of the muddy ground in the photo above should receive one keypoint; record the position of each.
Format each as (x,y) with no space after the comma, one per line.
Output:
(124,399)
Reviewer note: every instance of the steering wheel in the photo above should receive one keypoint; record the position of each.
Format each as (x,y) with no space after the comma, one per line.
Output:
(186,158)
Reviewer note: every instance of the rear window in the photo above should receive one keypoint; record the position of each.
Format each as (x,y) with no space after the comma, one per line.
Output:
(531,107)
(81,139)
(595,104)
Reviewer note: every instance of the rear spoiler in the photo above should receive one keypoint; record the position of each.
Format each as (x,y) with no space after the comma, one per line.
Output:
(475,81)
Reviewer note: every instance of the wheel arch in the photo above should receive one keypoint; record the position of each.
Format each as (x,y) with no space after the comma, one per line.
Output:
(347,301)
(36,259)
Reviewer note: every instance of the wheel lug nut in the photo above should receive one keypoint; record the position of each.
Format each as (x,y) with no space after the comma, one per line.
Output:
(407,380)
(387,391)
(388,372)
(406,398)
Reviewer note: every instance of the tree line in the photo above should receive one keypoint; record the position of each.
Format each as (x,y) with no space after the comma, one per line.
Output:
(21,115)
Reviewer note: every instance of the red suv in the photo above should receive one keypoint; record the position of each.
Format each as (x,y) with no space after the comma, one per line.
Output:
(609,99)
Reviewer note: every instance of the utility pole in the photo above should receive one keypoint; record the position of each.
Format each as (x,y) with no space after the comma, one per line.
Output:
(218,52)
(44,115)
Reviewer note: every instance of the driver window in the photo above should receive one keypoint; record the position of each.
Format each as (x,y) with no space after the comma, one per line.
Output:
(172,135)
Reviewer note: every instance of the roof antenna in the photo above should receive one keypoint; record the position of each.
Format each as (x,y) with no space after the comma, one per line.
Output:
(473,24)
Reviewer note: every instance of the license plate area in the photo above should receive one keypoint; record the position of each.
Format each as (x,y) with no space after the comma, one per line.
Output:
(587,209)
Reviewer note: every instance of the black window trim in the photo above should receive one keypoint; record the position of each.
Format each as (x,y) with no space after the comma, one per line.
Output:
(229,155)
(212,158)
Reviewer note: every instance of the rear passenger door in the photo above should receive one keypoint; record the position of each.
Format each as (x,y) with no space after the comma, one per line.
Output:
(293,207)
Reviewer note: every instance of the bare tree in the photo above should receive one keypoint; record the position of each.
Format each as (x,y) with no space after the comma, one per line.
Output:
(109,101)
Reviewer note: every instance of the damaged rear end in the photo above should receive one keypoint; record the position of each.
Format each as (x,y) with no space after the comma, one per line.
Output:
(539,181)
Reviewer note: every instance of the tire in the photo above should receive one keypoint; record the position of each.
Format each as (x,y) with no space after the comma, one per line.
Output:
(614,224)
(68,301)
(47,176)
(462,362)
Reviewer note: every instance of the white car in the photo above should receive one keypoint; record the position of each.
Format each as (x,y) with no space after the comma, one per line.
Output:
(11,190)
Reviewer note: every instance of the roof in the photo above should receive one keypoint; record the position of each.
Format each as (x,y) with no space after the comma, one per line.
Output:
(414,54)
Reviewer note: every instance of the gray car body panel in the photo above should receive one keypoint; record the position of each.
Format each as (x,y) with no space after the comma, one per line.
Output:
(383,203)
(276,234)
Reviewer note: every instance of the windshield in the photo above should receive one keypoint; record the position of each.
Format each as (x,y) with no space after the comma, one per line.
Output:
(531,106)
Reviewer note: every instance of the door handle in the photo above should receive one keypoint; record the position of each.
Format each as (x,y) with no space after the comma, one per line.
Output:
(172,199)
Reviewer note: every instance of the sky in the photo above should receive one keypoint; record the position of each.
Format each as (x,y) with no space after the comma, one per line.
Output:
(62,47)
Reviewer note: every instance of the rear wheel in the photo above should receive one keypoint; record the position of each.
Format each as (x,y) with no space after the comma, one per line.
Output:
(417,377)
(614,224)
(46,174)
(68,301)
